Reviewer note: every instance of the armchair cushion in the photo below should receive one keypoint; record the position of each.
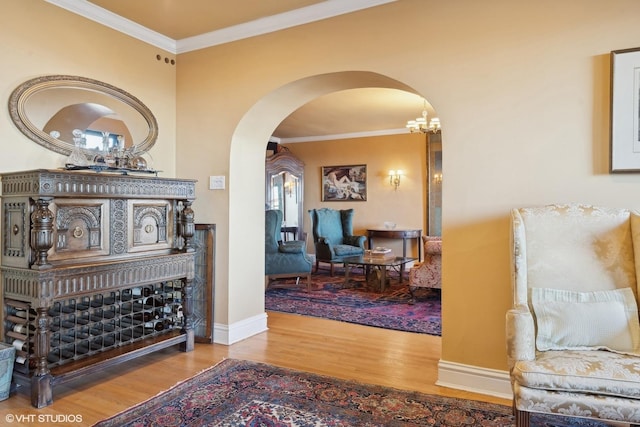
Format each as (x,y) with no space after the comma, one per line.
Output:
(600,372)
(599,320)
(293,247)
(347,250)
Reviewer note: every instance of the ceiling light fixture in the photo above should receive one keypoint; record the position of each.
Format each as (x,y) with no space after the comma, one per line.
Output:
(420,124)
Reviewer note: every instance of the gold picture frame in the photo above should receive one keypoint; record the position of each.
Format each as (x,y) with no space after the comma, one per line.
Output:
(344,183)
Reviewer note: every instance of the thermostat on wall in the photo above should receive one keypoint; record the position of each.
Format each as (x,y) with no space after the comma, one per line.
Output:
(216,182)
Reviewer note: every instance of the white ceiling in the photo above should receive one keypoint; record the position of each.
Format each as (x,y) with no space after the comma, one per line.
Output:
(179,26)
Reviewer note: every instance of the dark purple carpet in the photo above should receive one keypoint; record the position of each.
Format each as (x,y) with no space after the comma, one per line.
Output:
(238,393)
(358,303)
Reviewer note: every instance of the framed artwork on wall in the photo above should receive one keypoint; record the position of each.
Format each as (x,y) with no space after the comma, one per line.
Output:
(625,111)
(344,183)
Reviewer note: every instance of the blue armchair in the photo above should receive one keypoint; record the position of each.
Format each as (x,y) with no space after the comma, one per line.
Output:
(333,235)
(283,259)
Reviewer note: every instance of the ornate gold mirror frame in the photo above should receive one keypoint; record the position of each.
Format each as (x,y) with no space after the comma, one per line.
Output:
(38,100)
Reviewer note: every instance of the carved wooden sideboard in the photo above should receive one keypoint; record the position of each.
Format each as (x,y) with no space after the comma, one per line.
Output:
(97,269)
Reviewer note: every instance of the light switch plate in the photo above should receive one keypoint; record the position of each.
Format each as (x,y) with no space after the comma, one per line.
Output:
(216,182)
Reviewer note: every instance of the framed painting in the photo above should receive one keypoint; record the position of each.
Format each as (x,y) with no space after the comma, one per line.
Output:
(344,183)
(625,111)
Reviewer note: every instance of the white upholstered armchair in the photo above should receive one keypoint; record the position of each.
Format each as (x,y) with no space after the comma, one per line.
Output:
(572,335)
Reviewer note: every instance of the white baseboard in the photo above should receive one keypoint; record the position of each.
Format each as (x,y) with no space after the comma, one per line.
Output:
(491,382)
(238,331)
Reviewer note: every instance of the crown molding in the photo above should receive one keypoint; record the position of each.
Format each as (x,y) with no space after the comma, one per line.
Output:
(304,15)
(269,24)
(343,136)
(117,22)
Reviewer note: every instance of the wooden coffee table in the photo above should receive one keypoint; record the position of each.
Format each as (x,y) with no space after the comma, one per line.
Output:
(371,264)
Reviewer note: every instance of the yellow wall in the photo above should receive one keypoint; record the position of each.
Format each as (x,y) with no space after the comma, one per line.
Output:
(39,38)
(404,206)
(522,90)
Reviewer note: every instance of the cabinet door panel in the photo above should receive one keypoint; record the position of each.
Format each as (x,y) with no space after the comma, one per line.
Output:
(81,228)
(15,231)
(150,225)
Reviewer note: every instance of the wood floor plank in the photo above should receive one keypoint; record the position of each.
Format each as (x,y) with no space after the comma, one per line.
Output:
(402,360)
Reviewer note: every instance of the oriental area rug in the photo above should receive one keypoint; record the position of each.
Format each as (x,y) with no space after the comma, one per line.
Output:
(358,302)
(238,393)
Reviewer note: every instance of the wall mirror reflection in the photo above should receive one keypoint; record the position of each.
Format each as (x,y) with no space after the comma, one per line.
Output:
(52,110)
(284,191)
(434,184)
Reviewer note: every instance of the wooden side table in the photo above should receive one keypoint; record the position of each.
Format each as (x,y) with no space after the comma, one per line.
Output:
(397,234)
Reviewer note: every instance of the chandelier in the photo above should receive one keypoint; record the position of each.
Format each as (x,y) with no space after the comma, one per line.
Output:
(420,124)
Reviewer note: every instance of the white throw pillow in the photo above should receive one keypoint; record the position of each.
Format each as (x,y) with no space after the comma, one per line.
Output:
(599,320)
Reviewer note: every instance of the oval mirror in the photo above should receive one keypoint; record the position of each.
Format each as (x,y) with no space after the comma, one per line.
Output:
(49,109)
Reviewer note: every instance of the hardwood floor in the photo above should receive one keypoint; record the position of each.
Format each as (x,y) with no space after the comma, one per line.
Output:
(401,360)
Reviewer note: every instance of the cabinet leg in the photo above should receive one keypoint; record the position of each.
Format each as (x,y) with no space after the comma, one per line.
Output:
(41,392)
(187,309)
(189,344)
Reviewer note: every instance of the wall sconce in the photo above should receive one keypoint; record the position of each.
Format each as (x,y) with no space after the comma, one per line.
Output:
(437,178)
(394,178)
(289,187)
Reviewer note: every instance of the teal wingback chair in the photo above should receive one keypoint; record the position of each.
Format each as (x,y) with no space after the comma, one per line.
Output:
(283,259)
(333,235)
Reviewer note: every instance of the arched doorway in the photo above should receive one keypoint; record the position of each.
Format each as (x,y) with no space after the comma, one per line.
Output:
(246,314)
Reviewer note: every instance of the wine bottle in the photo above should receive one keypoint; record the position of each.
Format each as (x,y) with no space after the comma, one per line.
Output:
(96,343)
(144,316)
(126,295)
(82,320)
(69,336)
(68,353)
(55,309)
(154,301)
(23,314)
(83,305)
(55,340)
(70,307)
(109,340)
(9,325)
(159,326)
(111,299)
(68,323)
(22,345)
(82,347)
(177,310)
(97,301)
(144,291)
(25,329)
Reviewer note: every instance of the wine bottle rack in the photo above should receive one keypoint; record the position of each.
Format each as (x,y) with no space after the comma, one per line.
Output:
(99,265)
(81,327)
(18,326)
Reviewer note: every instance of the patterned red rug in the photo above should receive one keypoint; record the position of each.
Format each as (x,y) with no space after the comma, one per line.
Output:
(358,303)
(239,393)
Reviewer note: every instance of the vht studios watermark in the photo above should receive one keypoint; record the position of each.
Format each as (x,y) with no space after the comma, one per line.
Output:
(43,418)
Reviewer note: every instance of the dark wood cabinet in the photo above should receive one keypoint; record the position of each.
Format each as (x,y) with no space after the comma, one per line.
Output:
(97,268)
